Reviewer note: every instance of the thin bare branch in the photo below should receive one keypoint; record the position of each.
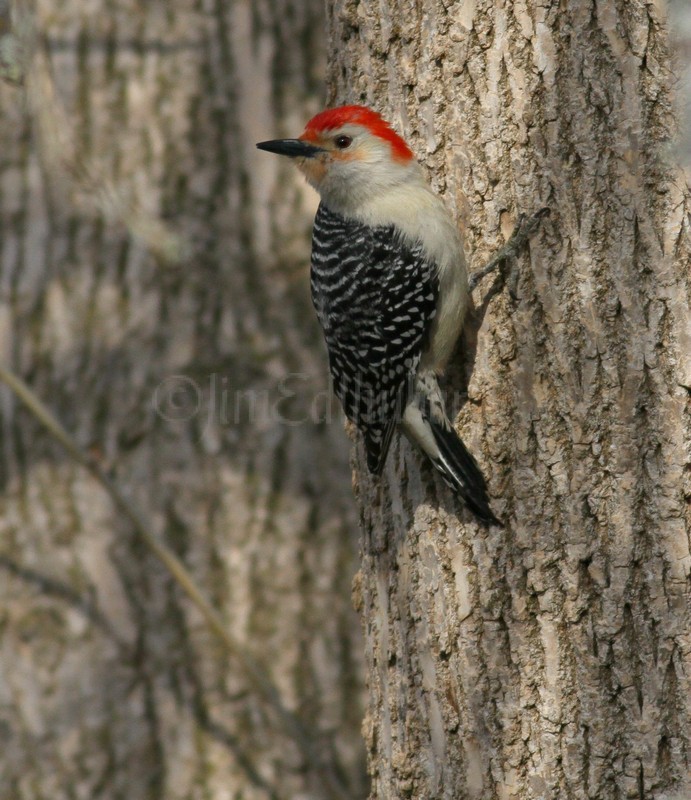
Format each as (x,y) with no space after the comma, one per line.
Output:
(525,228)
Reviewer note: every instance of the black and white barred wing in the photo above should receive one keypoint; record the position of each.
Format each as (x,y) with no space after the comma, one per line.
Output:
(375,298)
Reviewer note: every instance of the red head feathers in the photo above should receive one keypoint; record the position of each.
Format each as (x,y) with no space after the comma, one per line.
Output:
(334,118)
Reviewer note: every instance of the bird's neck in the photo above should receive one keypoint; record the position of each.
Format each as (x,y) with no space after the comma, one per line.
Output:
(370,196)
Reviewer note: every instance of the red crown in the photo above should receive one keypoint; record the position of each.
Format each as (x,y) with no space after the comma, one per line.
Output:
(334,118)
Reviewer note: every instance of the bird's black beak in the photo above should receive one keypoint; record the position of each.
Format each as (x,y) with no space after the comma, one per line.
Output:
(295,148)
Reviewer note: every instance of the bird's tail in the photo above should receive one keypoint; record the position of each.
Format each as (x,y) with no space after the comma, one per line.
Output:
(426,423)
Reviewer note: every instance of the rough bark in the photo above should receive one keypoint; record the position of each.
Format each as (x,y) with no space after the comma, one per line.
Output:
(550,659)
(153,290)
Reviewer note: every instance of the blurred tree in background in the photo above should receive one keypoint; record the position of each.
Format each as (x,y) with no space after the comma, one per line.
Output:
(154,293)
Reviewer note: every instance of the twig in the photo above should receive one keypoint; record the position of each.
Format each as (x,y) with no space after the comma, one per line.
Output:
(254,673)
(524,229)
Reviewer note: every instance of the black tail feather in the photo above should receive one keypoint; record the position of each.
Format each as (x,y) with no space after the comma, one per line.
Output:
(461,472)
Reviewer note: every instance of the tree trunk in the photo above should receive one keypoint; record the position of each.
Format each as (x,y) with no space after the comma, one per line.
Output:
(550,659)
(154,292)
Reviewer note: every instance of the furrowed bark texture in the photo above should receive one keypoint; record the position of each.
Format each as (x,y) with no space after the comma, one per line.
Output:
(550,659)
(154,292)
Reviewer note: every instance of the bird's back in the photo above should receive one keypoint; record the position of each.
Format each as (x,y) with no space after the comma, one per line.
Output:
(375,298)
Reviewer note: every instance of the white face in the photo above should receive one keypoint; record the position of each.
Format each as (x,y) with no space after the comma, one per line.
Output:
(353,165)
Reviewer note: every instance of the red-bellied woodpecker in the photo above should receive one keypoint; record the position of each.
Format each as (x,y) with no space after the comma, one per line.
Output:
(390,288)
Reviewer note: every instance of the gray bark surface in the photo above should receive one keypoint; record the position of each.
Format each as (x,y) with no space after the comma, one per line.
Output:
(550,659)
(154,292)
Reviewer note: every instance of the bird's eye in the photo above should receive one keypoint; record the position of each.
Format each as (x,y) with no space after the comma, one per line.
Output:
(343,141)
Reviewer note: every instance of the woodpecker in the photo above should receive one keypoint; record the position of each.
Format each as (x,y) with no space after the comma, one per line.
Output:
(390,288)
